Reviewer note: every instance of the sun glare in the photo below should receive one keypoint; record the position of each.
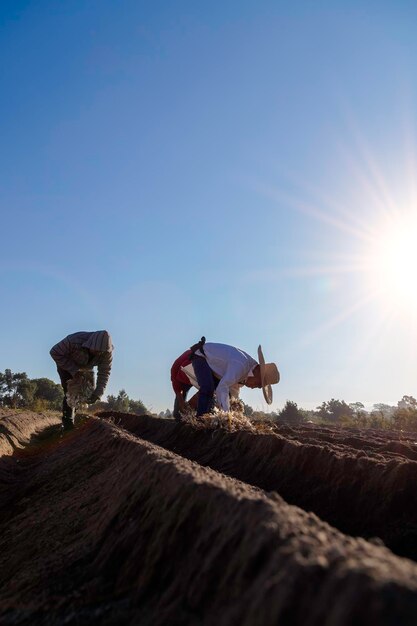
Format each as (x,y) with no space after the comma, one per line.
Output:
(373,255)
(393,261)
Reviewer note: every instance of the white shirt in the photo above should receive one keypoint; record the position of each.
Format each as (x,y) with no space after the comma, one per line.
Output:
(232,365)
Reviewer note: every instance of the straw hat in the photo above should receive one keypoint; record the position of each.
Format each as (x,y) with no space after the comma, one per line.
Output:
(269,376)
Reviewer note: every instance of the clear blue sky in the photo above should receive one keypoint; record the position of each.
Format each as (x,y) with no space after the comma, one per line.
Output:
(179,168)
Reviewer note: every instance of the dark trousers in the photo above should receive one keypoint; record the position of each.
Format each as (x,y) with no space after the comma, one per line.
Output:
(68,413)
(207,383)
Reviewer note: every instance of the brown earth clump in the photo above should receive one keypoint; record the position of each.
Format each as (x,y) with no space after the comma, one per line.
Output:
(367,491)
(115,530)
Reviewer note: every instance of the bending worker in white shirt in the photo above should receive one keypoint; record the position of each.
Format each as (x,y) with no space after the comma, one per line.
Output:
(220,370)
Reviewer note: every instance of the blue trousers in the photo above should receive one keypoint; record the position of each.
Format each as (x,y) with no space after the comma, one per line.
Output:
(207,383)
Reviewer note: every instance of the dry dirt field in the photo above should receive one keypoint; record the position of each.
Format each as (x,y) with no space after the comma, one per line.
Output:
(138,520)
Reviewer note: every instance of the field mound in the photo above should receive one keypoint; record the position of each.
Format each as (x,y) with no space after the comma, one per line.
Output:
(386,442)
(18,427)
(107,528)
(367,491)
(17,430)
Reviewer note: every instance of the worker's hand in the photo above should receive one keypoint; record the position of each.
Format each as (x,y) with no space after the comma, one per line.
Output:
(93,398)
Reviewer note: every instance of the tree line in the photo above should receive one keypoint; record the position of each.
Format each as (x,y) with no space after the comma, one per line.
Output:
(17,390)
(402,416)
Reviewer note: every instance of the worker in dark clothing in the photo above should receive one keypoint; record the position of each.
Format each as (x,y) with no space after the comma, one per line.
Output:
(83,351)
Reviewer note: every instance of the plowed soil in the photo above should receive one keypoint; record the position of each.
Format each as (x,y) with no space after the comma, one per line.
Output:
(363,483)
(103,526)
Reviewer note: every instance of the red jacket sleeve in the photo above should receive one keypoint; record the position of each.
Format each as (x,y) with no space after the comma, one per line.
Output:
(178,378)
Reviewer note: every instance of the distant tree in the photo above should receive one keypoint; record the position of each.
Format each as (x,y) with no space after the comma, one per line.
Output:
(334,410)
(290,414)
(119,402)
(16,390)
(25,390)
(405,418)
(124,404)
(375,420)
(407,402)
(247,410)
(123,401)
(384,410)
(308,415)
(48,391)
(6,387)
(111,402)
(137,407)
(357,408)
(357,417)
